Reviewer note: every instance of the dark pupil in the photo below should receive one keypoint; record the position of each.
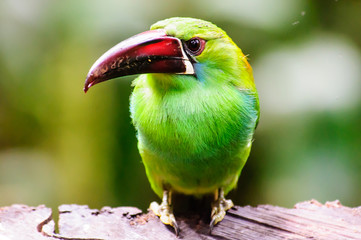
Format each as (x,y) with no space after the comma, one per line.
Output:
(193,44)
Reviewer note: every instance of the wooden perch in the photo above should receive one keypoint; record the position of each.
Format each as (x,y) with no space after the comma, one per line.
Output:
(307,220)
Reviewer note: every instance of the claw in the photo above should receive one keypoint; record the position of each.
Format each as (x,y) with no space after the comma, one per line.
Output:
(165,211)
(219,208)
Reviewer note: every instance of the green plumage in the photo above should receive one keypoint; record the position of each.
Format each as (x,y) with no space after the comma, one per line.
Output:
(195,132)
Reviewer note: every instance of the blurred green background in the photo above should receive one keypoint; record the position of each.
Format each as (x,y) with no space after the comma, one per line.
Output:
(58,145)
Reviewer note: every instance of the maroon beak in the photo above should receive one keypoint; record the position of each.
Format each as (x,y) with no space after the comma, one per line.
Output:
(148,52)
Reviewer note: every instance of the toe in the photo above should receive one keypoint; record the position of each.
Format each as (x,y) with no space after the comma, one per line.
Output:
(165,214)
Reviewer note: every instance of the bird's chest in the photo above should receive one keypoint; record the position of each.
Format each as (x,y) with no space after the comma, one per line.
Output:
(188,126)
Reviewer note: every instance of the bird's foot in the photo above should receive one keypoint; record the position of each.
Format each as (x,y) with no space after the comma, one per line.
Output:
(219,208)
(165,212)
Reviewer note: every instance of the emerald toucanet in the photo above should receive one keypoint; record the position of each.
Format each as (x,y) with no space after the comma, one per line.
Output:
(195,108)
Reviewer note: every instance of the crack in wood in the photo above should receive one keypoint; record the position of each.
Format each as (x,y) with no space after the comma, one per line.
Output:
(66,238)
(43,223)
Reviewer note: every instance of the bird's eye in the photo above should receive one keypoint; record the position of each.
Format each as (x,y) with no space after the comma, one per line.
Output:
(195,46)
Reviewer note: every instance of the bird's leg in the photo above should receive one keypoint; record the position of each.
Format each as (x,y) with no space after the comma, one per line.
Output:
(219,207)
(165,210)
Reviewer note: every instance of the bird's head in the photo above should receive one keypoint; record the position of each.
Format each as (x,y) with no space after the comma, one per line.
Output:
(180,46)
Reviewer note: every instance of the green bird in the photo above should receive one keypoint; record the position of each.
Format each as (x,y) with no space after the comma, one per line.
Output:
(195,108)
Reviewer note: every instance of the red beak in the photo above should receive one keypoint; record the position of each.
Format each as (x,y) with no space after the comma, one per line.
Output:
(148,52)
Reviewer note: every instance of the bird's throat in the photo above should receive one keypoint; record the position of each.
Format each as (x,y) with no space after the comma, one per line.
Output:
(163,83)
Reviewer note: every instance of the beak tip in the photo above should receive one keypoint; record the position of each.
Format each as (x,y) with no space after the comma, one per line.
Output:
(88,83)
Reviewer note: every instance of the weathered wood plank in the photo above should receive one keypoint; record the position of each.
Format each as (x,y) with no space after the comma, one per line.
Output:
(23,222)
(307,220)
(109,223)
